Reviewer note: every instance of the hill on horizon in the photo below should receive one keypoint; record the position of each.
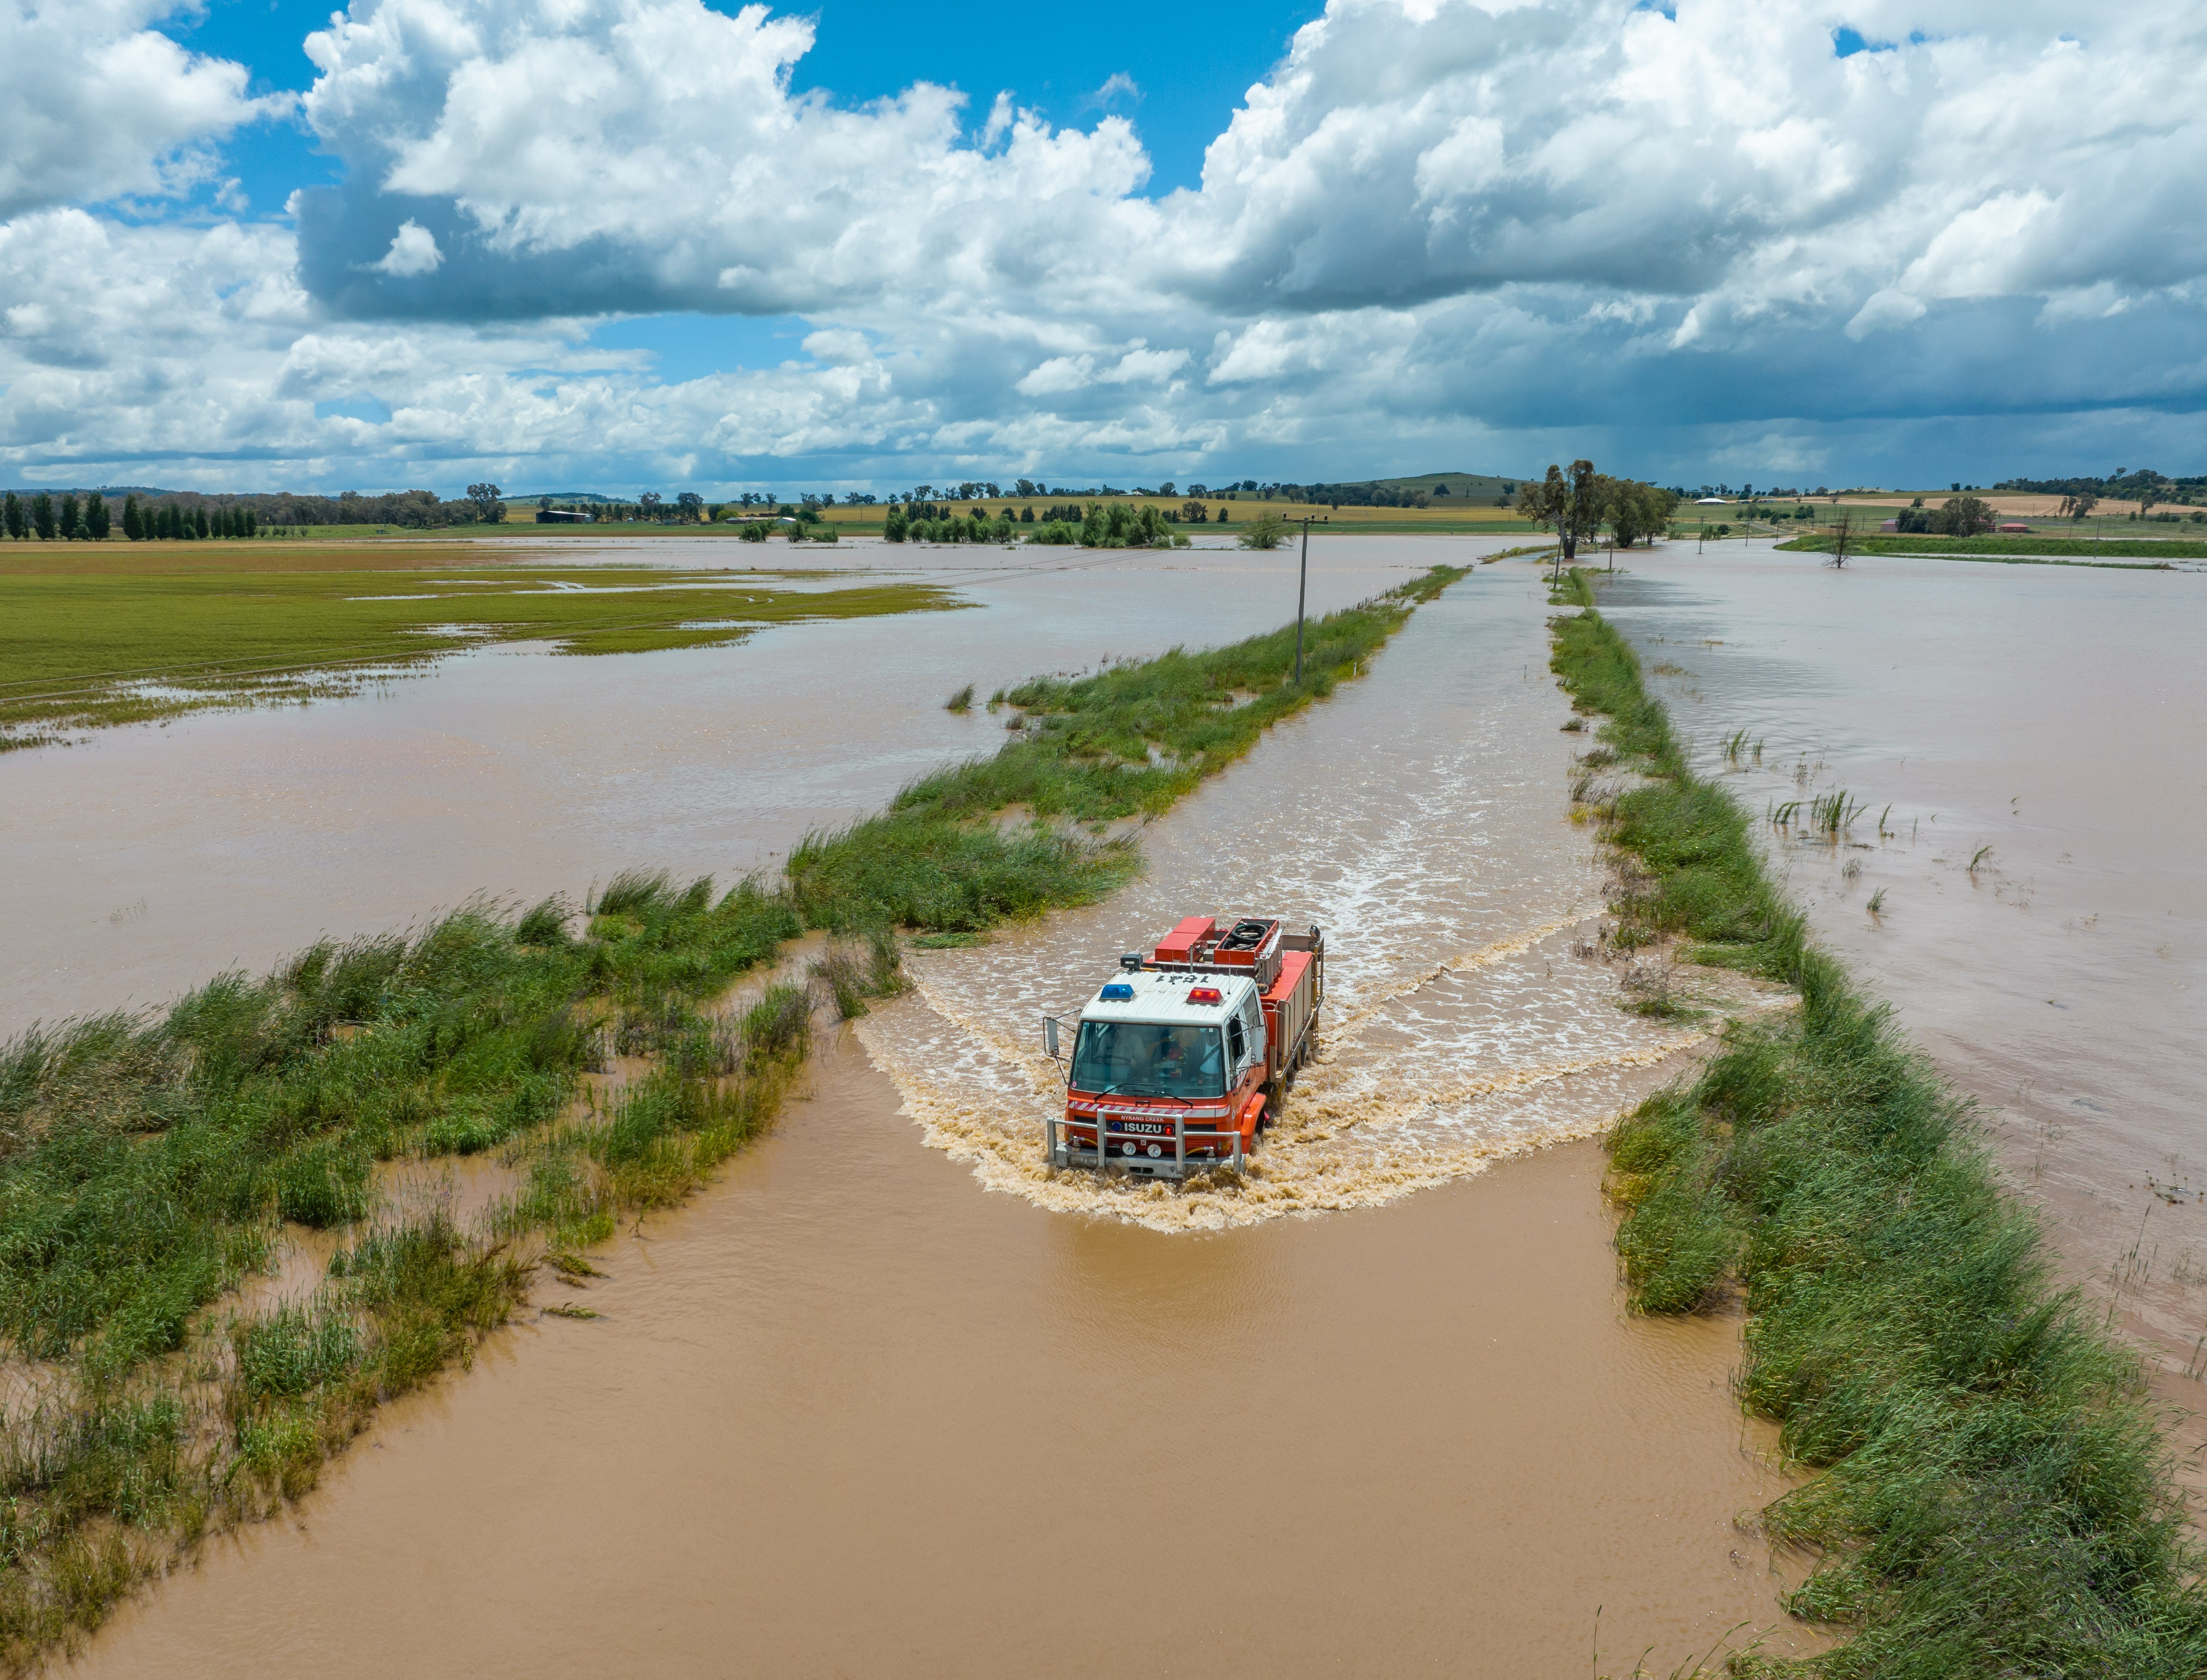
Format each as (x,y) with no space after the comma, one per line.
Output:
(1489,485)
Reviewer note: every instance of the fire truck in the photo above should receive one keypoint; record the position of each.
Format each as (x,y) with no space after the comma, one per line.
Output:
(1180,1062)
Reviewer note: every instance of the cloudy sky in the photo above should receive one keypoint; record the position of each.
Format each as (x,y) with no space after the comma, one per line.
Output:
(628,244)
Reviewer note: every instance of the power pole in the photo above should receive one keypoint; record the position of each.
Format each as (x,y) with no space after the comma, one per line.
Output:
(1302,587)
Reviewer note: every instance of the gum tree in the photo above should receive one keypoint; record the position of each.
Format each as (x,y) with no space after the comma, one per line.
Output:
(1638,510)
(1963,516)
(1572,506)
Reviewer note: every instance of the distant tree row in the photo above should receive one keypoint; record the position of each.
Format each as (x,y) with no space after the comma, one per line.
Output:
(1352,495)
(1747,492)
(2147,488)
(1026,488)
(52,518)
(1116,525)
(172,521)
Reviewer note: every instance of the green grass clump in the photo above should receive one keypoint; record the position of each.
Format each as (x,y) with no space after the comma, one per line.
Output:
(147,1165)
(855,973)
(1991,1496)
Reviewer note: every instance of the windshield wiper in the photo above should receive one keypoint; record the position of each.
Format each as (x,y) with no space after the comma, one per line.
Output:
(1160,1096)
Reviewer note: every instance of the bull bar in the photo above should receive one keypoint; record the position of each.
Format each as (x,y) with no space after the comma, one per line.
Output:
(1133,1158)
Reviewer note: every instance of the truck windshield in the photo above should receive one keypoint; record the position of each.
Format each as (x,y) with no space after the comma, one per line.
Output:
(1148,1059)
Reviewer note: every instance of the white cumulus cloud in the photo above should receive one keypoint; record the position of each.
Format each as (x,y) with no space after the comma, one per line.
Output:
(413,251)
(1465,234)
(97,104)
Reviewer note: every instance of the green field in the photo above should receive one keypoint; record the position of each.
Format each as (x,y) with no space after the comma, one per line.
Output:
(157,629)
(1997,547)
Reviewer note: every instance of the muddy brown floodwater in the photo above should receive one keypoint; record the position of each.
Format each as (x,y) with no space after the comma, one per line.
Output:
(144,860)
(2043,722)
(889,1399)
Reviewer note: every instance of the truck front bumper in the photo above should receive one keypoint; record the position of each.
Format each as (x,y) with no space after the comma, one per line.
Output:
(1132,1155)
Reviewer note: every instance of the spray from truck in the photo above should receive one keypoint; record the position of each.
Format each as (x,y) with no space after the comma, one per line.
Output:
(1180,1062)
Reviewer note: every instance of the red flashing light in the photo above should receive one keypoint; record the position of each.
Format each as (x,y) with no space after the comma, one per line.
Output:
(1207,995)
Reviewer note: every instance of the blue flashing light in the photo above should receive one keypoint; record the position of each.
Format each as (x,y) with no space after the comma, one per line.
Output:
(1117,992)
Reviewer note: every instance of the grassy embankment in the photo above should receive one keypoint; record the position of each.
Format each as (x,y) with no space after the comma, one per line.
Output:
(150,1164)
(1993,1497)
(95,638)
(2011,548)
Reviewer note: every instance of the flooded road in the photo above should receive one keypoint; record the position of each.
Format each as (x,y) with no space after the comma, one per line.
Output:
(886,1400)
(2043,723)
(848,1416)
(1418,816)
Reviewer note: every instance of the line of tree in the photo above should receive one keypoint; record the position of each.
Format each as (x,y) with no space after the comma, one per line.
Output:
(1747,492)
(47,518)
(174,521)
(1577,505)
(2143,485)
(1025,489)
(227,514)
(1116,525)
(1348,495)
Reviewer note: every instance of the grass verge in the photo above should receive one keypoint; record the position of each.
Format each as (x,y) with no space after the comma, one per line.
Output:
(1991,1496)
(2157,552)
(150,1165)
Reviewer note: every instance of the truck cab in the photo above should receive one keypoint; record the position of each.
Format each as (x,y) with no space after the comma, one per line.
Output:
(1178,1062)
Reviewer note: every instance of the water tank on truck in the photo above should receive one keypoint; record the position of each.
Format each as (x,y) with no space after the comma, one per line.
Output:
(1180,1061)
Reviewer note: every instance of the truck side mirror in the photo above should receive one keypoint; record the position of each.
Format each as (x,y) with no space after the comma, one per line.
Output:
(1050,1036)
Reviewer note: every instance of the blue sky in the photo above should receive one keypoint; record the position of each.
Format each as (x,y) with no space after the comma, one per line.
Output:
(1138,59)
(649,244)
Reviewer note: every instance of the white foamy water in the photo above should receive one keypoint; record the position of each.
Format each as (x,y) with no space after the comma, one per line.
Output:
(1418,816)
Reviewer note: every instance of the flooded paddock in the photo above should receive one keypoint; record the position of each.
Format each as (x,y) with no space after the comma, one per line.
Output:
(2042,927)
(143,860)
(889,1399)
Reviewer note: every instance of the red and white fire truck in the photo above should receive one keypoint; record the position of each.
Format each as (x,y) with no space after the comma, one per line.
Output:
(1180,1062)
